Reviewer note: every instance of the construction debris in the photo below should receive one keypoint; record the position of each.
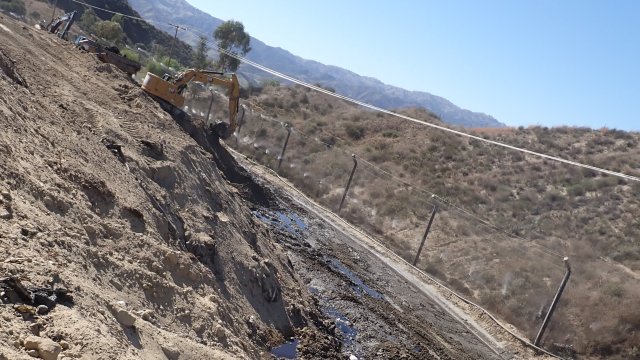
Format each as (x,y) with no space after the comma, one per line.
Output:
(32,300)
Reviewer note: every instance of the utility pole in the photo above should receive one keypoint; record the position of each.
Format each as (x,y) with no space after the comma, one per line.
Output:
(175,40)
(53,14)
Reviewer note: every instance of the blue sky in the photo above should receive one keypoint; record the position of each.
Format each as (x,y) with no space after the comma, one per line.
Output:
(542,62)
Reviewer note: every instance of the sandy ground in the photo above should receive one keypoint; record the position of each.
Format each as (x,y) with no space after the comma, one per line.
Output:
(127,234)
(105,198)
(395,310)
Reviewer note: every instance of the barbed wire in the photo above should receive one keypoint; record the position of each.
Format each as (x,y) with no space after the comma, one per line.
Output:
(443,201)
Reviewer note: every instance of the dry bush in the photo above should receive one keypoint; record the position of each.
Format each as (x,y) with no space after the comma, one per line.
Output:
(574,212)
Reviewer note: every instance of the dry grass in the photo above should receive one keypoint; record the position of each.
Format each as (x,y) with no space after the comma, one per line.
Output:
(553,208)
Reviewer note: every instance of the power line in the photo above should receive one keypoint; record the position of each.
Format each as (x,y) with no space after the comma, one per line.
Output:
(460,210)
(422,122)
(117,13)
(357,102)
(379,109)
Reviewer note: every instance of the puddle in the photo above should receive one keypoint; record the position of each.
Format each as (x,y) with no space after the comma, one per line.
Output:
(289,222)
(359,287)
(288,350)
(349,333)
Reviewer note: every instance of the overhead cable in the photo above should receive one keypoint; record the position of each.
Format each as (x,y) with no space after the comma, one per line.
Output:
(376,108)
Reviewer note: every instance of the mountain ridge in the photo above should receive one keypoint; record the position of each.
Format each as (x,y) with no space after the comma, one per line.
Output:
(344,81)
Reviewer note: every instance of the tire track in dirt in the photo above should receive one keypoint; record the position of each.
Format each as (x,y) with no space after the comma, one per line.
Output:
(495,339)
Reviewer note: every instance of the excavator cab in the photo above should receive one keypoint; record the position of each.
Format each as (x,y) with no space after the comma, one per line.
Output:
(168,90)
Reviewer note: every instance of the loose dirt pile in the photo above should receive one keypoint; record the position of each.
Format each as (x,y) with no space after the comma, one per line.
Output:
(119,236)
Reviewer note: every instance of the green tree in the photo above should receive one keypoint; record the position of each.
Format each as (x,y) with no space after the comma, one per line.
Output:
(156,68)
(159,50)
(231,37)
(200,60)
(118,19)
(175,64)
(109,30)
(15,6)
(88,20)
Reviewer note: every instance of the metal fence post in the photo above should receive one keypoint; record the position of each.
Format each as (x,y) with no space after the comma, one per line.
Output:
(346,189)
(284,147)
(555,301)
(210,106)
(426,232)
(241,120)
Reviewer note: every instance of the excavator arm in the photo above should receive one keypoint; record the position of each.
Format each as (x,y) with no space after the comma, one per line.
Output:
(170,91)
(55,24)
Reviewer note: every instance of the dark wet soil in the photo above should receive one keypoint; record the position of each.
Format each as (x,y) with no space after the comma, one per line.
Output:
(373,311)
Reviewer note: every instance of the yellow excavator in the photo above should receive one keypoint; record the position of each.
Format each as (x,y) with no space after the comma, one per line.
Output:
(168,90)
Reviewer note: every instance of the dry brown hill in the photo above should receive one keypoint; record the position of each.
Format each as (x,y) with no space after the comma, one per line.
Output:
(106,199)
(128,234)
(505,220)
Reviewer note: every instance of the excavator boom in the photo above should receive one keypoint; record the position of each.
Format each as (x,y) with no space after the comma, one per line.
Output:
(55,24)
(170,90)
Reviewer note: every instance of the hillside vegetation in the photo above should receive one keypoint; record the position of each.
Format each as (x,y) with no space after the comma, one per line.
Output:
(505,219)
(137,32)
(346,82)
(106,200)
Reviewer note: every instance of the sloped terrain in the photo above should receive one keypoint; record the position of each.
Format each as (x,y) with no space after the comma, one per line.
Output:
(505,220)
(128,234)
(346,82)
(139,247)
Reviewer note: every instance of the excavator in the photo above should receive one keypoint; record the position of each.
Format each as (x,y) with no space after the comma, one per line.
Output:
(67,18)
(168,91)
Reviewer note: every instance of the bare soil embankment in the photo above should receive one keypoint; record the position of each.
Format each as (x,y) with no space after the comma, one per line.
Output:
(106,199)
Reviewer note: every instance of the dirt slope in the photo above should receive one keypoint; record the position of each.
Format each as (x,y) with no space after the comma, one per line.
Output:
(157,248)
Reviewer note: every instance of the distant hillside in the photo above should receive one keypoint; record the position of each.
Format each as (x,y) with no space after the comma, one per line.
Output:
(343,81)
(137,31)
(553,210)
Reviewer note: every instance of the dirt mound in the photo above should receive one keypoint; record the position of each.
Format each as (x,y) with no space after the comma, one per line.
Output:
(8,68)
(106,196)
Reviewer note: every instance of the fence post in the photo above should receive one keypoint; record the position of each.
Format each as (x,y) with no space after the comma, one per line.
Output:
(241,120)
(426,232)
(555,301)
(284,147)
(346,189)
(210,106)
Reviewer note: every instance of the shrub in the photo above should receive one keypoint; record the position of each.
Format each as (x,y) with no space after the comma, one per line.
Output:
(14,6)
(613,289)
(109,30)
(392,134)
(355,131)
(156,68)
(174,63)
(270,83)
(130,54)
(576,190)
